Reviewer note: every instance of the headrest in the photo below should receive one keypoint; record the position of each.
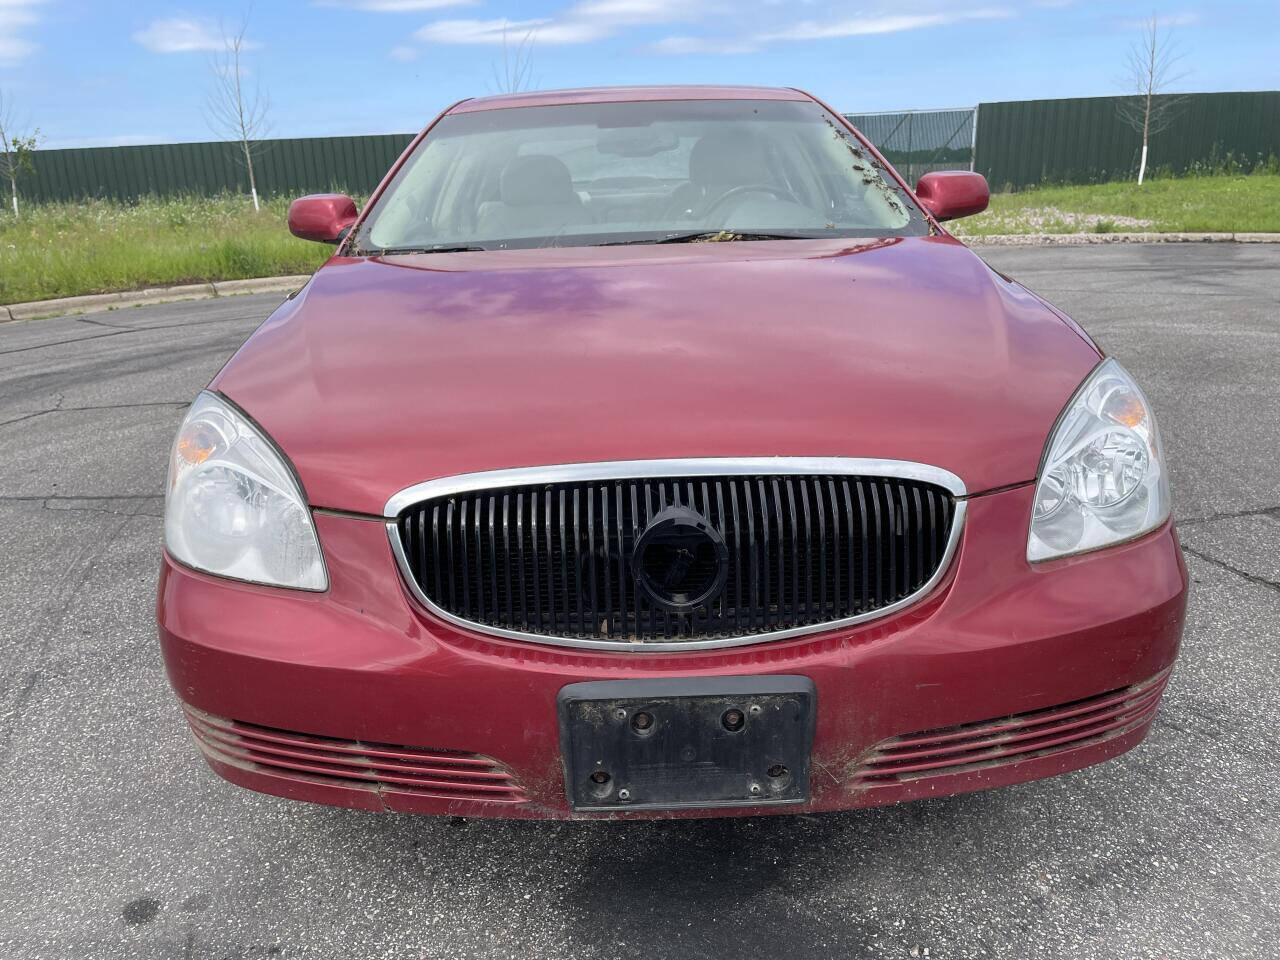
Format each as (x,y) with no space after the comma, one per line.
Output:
(536,179)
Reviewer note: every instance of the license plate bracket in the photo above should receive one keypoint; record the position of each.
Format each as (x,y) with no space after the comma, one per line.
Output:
(661,744)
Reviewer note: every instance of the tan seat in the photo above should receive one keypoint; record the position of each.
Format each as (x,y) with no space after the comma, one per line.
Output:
(538,199)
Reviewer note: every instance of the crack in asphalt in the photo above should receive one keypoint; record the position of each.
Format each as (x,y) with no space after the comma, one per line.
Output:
(133,502)
(138,501)
(98,406)
(115,331)
(33,497)
(106,513)
(57,343)
(103,323)
(1231,568)
(1231,515)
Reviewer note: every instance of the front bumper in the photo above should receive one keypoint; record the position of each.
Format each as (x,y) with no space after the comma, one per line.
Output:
(1019,671)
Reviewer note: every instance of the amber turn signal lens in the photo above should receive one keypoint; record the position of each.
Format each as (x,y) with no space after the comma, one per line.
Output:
(196,446)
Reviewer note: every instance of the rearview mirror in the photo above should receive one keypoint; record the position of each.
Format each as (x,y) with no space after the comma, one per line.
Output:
(950,194)
(322,216)
(637,142)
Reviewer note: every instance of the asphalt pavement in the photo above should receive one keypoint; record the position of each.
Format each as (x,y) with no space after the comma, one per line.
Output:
(118,842)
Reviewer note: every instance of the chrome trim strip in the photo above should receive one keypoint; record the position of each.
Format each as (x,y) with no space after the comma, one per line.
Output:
(692,467)
(640,469)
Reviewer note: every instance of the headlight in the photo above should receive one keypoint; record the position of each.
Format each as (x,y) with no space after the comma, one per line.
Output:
(1103,477)
(232,505)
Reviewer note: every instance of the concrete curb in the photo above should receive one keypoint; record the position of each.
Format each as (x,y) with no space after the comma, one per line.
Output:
(95,303)
(98,302)
(1084,239)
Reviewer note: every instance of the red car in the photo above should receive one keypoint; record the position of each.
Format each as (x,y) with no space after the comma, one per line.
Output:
(656,452)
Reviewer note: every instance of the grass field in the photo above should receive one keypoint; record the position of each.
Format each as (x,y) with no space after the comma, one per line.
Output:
(68,249)
(1213,204)
(64,249)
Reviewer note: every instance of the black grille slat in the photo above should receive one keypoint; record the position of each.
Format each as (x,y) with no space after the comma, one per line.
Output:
(753,555)
(606,568)
(554,560)
(740,600)
(493,556)
(619,506)
(448,526)
(593,582)
(549,563)
(463,543)
(521,590)
(506,552)
(793,538)
(564,560)
(780,584)
(904,531)
(577,561)
(825,543)
(635,535)
(876,536)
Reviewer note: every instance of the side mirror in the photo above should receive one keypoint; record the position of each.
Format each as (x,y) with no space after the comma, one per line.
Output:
(322,216)
(949,194)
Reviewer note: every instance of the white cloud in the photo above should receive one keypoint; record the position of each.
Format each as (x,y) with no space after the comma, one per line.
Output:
(583,22)
(637,11)
(395,6)
(13,49)
(181,35)
(475,31)
(14,16)
(924,15)
(685,45)
(404,53)
(495,32)
(869,26)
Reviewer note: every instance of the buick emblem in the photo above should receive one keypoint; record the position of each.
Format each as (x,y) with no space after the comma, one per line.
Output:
(680,561)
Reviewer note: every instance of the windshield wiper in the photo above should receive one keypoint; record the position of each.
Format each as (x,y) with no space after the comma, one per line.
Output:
(406,251)
(711,236)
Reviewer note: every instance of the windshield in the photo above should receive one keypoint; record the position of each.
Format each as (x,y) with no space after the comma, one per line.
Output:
(636,172)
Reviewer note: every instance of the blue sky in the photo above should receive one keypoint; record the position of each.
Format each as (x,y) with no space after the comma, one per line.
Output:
(93,72)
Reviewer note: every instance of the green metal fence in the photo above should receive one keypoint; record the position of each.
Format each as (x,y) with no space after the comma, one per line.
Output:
(917,141)
(1015,144)
(1085,141)
(290,167)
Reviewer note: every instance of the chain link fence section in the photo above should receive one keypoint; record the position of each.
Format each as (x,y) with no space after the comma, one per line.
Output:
(917,142)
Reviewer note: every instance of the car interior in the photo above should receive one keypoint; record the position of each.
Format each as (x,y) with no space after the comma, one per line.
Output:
(553,183)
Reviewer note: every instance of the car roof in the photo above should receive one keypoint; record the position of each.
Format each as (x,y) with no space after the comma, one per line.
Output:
(546,98)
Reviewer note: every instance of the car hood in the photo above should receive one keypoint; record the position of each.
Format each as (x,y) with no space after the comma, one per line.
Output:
(383,373)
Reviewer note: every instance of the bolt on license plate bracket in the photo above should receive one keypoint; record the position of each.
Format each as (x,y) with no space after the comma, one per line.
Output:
(684,742)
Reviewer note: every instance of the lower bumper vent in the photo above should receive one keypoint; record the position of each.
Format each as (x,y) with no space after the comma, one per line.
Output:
(379,767)
(1023,736)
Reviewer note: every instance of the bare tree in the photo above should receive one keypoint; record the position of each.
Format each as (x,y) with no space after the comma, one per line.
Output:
(1151,68)
(515,71)
(16,149)
(235,110)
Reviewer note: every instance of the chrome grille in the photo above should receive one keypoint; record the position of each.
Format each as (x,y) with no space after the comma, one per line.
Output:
(558,560)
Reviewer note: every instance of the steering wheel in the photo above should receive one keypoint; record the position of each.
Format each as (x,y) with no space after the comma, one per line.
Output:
(733,192)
